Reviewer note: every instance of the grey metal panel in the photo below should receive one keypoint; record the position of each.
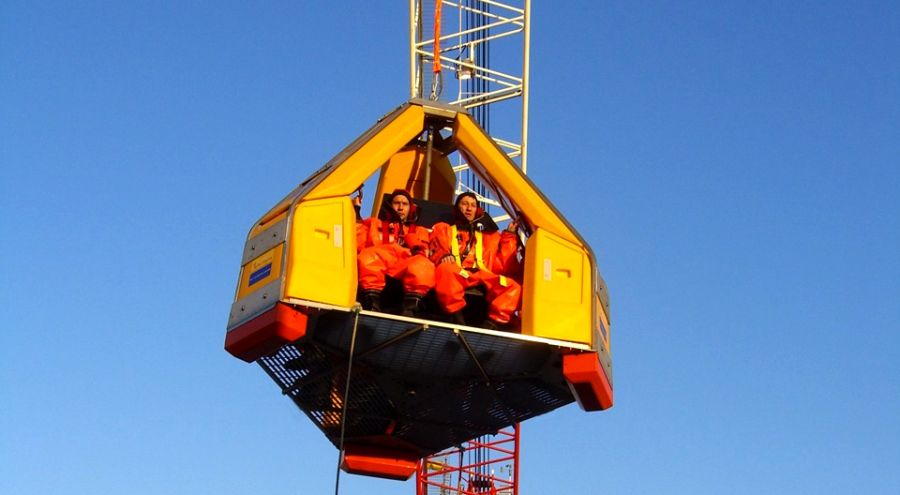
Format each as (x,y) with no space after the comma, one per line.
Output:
(603,351)
(439,108)
(264,241)
(601,289)
(606,363)
(254,303)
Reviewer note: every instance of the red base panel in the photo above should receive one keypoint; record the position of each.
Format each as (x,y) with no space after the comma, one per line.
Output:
(382,463)
(266,333)
(588,381)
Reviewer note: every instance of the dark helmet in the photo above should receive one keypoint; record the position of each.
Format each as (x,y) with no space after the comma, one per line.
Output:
(387,211)
(480,222)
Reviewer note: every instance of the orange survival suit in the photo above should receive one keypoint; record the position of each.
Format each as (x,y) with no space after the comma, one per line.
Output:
(481,256)
(390,246)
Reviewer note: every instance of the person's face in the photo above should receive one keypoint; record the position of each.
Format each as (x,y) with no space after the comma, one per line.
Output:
(468,206)
(401,205)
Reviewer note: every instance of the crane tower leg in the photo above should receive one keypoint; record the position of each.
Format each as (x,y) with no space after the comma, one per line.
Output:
(485,465)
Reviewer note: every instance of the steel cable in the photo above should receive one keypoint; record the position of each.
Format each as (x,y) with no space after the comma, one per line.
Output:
(337,479)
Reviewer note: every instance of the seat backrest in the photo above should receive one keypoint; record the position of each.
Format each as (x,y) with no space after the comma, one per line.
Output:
(432,212)
(429,212)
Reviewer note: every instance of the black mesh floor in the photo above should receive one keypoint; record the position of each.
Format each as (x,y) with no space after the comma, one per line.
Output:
(422,389)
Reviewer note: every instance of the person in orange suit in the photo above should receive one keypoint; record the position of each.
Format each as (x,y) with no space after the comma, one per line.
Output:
(467,254)
(393,245)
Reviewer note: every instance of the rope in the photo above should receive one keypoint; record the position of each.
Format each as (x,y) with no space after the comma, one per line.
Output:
(337,478)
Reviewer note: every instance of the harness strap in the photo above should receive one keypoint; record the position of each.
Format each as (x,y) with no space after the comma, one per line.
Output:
(387,236)
(479,248)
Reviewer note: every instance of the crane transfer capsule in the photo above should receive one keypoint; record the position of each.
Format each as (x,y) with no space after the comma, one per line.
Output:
(417,385)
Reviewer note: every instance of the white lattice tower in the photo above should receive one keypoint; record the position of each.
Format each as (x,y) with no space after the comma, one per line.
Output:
(484,59)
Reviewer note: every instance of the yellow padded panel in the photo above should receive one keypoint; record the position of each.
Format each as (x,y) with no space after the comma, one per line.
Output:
(321,261)
(260,271)
(556,294)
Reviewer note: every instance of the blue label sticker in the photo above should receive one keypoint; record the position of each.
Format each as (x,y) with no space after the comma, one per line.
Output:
(260,274)
(603,331)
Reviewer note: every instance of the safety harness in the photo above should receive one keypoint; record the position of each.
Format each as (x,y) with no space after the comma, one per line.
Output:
(479,247)
(479,253)
(388,234)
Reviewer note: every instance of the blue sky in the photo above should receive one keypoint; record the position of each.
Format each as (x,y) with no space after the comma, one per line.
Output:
(733,165)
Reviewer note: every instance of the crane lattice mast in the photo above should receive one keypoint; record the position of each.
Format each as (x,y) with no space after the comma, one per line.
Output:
(475,53)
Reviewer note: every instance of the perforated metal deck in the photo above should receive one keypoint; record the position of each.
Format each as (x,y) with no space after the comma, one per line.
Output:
(414,384)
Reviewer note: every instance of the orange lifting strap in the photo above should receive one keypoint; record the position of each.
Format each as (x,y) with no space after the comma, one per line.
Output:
(436,67)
